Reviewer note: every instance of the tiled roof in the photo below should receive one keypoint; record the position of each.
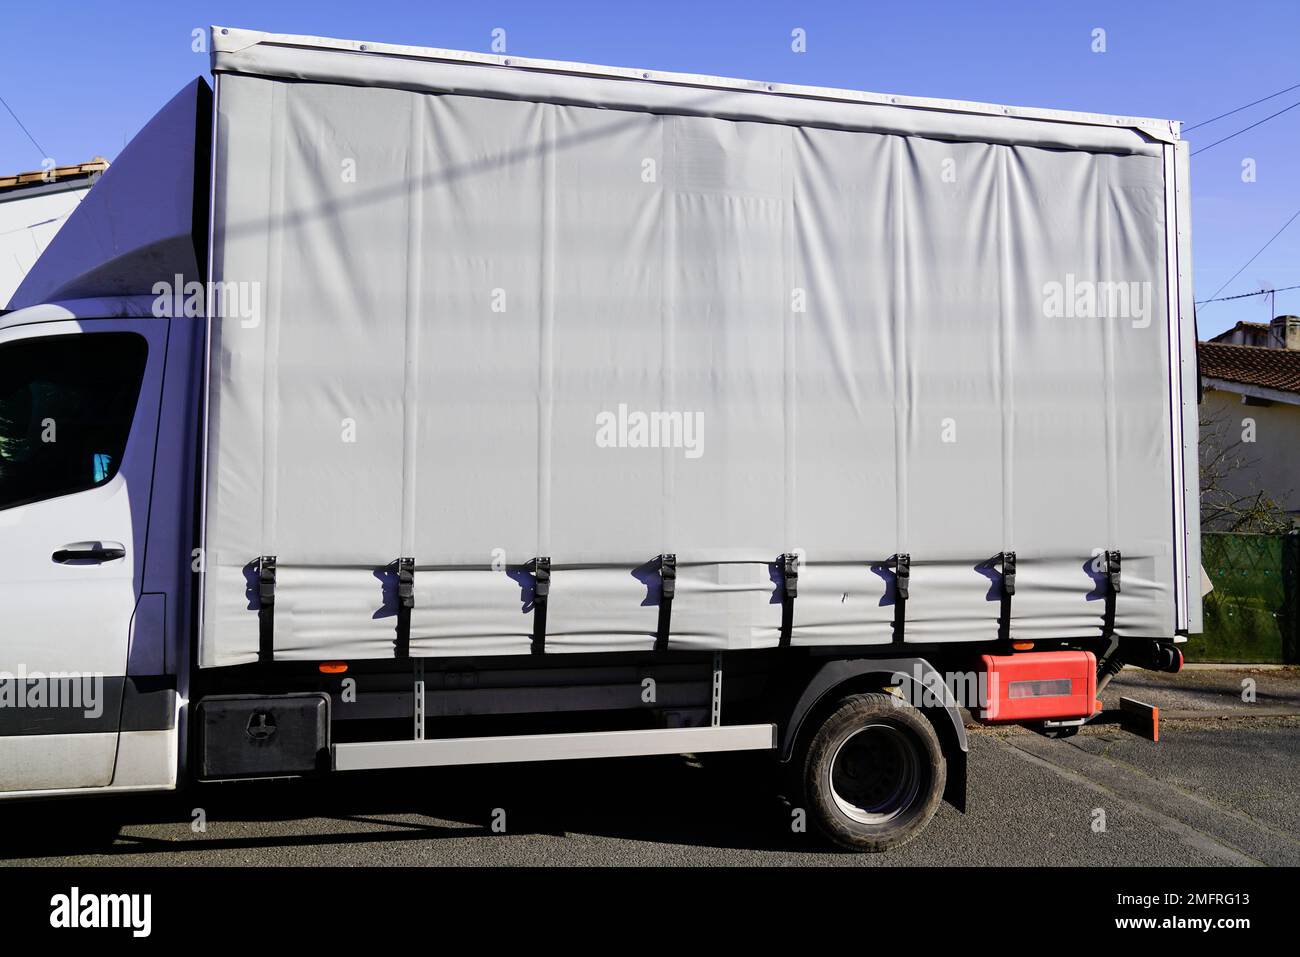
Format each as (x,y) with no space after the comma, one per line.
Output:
(1251,365)
(37,177)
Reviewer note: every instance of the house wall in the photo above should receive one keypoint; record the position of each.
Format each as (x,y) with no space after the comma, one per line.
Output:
(28,221)
(1238,336)
(1271,461)
(1282,333)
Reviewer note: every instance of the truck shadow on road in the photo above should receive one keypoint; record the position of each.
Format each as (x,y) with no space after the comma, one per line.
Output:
(725,802)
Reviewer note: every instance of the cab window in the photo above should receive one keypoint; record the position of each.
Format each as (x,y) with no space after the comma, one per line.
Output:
(66,405)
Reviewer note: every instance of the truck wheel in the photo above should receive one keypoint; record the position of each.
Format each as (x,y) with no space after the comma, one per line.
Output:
(874,773)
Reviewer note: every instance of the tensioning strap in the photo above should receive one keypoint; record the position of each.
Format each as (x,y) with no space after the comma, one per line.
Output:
(405,602)
(541,593)
(902,565)
(266,609)
(789,592)
(1008,562)
(667,589)
(1112,572)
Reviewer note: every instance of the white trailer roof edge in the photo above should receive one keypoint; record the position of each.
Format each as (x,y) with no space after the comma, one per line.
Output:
(235,50)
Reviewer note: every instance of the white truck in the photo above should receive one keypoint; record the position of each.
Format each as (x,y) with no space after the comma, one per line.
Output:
(394,407)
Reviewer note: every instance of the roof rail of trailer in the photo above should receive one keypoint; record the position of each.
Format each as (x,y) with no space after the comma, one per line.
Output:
(231,40)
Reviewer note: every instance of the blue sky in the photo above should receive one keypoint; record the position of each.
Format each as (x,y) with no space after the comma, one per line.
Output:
(83,79)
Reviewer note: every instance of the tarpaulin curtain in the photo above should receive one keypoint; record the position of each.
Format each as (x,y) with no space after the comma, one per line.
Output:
(457,290)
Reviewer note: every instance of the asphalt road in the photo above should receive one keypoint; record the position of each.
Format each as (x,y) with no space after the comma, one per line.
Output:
(1219,789)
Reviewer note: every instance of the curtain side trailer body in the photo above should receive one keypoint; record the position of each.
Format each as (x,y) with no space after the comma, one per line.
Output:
(415,407)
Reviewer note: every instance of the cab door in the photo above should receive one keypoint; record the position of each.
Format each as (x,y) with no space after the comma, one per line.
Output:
(78,422)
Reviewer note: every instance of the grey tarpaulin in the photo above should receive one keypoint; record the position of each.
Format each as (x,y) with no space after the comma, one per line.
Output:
(466,272)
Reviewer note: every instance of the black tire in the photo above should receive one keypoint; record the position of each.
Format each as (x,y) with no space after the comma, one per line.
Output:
(873,773)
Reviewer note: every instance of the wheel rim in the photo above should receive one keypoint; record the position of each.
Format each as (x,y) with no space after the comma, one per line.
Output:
(875,774)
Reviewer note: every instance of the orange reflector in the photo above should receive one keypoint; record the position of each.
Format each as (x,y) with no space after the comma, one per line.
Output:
(333,667)
(1023,645)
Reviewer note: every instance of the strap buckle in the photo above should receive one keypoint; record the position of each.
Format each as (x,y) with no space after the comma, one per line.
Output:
(266,581)
(902,575)
(1113,563)
(406,582)
(668,575)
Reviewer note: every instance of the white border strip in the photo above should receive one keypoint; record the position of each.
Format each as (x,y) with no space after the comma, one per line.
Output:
(196,646)
(1174,331)
(1189,372)
(437,752)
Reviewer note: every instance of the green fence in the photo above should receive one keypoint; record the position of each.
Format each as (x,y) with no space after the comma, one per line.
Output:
(1251,615)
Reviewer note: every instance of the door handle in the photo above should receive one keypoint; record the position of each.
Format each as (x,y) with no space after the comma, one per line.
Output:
(89,552)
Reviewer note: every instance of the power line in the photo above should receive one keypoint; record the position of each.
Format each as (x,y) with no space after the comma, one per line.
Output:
(24,128)
(1256,256)
(1244,129)
(1247,295)
(1188,129)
